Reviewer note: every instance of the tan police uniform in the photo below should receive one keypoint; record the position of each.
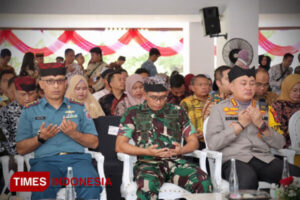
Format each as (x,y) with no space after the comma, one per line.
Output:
(249,143)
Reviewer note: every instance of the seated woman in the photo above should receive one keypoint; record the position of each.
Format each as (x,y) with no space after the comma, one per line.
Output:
(135,94)
(288,102)
(78,89)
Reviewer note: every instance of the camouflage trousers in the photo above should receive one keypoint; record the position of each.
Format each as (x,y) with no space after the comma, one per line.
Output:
(150,177)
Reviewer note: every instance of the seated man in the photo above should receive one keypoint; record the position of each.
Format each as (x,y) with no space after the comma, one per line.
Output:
(143,72)
(221,88)
(262,86)
(57,130)
(106,90)
(72,67)
(177,92)
(240,130)
(110,101)
(194,104)
(157,129)
(5,57)
(5,76)
(9,115)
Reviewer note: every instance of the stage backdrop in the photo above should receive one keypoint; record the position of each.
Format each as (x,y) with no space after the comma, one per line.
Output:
(134,44)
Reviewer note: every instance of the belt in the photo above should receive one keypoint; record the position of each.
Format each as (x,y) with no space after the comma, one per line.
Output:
(66,153)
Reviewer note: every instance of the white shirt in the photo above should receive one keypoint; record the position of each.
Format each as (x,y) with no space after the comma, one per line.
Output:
(101,93)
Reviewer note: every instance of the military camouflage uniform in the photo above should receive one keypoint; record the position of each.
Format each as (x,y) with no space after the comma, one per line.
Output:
(146,128)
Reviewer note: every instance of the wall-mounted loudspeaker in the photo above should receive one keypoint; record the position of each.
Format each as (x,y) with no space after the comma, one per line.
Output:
(211,20)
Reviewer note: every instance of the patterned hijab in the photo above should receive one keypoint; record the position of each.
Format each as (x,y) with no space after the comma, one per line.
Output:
(286,87)
(91,104)
(130,81)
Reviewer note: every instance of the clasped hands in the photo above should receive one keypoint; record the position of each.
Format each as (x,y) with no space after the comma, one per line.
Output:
(164,152)
(250,115)
(67,127)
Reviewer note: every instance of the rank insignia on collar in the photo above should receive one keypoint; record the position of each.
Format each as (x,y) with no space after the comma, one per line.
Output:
(234,103)
(253,103)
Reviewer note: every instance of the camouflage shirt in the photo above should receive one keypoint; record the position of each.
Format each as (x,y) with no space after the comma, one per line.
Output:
(147,127)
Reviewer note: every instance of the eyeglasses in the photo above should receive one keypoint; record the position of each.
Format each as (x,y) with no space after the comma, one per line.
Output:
(158,98)
(262,84)
(53,81)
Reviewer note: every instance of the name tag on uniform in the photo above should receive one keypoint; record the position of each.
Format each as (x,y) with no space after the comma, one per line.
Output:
(231,118)
(71,116)
(40,118)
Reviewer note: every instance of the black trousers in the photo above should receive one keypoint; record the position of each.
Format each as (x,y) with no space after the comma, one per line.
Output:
(249,174)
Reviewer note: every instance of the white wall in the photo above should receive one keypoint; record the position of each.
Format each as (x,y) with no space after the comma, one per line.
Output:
(240,20)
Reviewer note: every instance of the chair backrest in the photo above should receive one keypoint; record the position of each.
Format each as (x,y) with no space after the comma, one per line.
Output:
(294,130)
(205,130)
(105,126)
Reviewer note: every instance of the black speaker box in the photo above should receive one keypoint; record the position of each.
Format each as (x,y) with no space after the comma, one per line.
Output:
(211,20)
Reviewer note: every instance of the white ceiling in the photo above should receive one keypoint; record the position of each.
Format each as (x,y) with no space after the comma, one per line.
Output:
(135,7)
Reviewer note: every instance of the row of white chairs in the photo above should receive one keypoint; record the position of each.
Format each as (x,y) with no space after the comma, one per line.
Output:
(168,190)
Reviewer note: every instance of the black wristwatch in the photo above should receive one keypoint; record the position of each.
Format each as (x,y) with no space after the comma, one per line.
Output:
(263,127)
(41,140)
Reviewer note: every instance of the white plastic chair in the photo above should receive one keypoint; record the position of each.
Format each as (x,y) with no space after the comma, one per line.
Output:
(289,153)
(294,131)
(167,190)
(215,164)
(60,195)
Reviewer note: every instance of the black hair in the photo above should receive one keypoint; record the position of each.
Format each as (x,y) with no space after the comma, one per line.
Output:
(154,51)
(141,71)
(122,58)
(218,75)
(28,62)
(111,75)
(6,71)
(122,70)
(198,76)
(5,52)
(96,50)
(288,55)
(11,81)
(76,56)
(59,57)
(260,70)
(176,81)
(68,51)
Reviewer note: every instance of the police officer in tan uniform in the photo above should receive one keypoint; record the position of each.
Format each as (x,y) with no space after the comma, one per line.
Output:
(241,129)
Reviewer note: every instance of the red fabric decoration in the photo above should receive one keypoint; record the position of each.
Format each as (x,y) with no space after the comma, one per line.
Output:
(274,49)
(73,36)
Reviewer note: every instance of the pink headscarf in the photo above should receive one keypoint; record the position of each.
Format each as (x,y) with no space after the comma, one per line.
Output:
(130,81)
